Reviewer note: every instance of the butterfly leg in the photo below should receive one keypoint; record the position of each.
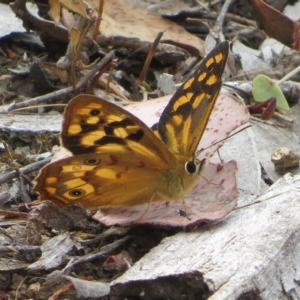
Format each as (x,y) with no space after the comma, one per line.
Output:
(183,212)
(148,206)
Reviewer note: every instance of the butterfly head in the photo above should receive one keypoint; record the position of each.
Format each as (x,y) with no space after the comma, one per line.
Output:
(193,166)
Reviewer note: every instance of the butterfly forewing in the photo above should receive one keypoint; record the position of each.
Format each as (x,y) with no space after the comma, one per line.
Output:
(184,119)
(93,125)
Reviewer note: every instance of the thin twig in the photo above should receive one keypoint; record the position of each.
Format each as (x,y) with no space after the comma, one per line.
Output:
(11,213)
(99,19)
(24,170)
(104,251)
(288,76)
(220,20)
(20,249)
(150,56)
(97,68)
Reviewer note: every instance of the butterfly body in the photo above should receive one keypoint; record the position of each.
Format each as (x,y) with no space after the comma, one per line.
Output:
(117,160)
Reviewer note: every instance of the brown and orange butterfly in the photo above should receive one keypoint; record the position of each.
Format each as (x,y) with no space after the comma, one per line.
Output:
(117,160)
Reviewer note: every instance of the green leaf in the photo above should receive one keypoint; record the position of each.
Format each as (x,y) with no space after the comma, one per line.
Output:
(264,88)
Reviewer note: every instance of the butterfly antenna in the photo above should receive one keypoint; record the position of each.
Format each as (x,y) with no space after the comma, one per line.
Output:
(203,160)
(228,137)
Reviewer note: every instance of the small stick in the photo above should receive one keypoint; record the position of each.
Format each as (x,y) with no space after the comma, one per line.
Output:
(99,19)
(24,170)
(220,20)
(150,56)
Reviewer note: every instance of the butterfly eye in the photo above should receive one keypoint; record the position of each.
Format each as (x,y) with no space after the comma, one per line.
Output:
(94,112)
(190,167)
(92,161)
(77,193)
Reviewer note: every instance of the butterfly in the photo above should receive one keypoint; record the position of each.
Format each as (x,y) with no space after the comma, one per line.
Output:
(117,160)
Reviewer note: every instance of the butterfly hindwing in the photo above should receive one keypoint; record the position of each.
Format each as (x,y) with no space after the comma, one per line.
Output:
(103,179)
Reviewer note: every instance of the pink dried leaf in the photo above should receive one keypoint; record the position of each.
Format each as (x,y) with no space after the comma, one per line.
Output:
(215,193)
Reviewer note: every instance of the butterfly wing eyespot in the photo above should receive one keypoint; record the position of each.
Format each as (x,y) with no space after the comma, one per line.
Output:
(95,112)
(76,193)
(92,161)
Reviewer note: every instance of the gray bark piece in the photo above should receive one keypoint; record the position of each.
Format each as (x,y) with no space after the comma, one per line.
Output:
(85,289)
(54,252)
(254,252)
(9,22)
(33,123)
